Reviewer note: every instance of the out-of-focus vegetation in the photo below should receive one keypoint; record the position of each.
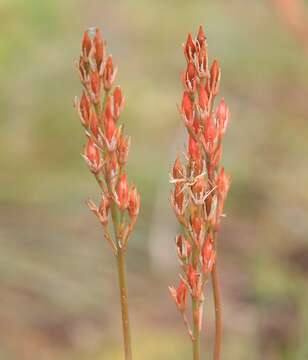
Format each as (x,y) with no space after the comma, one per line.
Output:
(57,282)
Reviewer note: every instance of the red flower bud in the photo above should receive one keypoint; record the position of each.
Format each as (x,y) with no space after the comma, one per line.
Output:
(94,124)
(110,130)
(104,209)
(197,227)
(92,156)
(222,114)
(122,192)
(133,202)
(183,247)
(187,108)
(192,276)
(210,135)
(191,77)
(123,149)
(82,67)
(201,38)
(178,170)
(179,295)
(108,110)
(215,77)
(110,126)
(202,63)
(99,49)
(189,49)
(179,196)
(208,255)
(96,86)
(109,74)
(86,44)
(118,102)
(84,109)
(223,183)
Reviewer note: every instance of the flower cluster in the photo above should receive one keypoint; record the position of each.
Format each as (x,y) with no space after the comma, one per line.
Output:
(200,184)
(106,151)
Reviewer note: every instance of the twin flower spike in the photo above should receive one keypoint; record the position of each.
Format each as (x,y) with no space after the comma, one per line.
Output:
(200,185)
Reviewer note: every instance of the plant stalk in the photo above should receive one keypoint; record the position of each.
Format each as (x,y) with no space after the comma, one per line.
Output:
(124,303)
(196,329)
(218,315)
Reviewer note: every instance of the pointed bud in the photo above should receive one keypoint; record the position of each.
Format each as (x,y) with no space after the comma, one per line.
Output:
(208,255)
(94,124)
(133,202)
(86,44)
(110,127)
(189,49)
(197,227)
(223,183)
(118,102)
(210,135)
(92,156)
(109,74)
(192,276)
(202,63)
(96,86)
(110,130)
(123,149)
(112,167)
(122,192)
(184,248)
(179,196)
(84,110)
(178,169)
(104,209)
(108,115)
(99,49)
(215,77)
(201,38)
(179,295)
(191,78)
(187,108)
(222,114)
(83,73)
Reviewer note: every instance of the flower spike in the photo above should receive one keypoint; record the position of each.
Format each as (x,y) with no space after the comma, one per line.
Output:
(106,155)
(200,187)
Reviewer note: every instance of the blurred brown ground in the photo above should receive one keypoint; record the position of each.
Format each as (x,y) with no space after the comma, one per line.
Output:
(58,294)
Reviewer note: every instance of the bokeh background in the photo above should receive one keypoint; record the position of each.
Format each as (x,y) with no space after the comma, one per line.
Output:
(58,289)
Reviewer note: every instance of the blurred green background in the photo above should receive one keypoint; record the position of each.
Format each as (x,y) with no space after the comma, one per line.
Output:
(58,289)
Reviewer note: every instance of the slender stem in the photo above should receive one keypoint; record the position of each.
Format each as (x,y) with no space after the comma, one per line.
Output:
(121,264)
(218,315)
(124,303)
(196,329)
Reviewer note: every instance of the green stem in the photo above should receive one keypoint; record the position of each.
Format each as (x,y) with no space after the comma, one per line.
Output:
(218,316)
